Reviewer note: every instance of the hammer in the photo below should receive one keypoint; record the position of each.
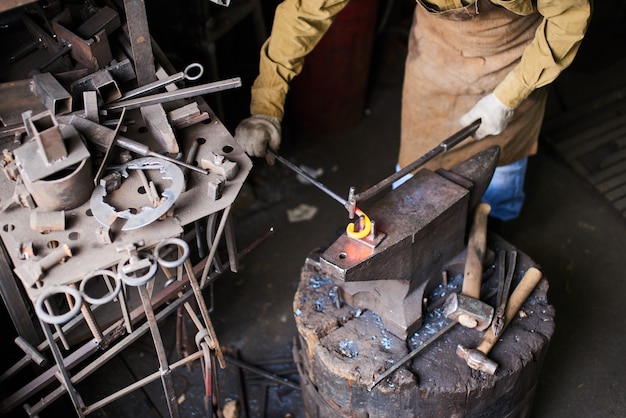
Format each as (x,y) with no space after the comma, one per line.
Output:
(467,307)
(477,358)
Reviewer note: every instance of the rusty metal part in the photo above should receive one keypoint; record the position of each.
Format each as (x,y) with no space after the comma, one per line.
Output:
(103,137)
(47,42)
(503,294)
(56,182)
(105,19)
(187,115)
(107,214)
(48,137)
(412,354)
(31,352)
(477,358)
(32,271)
(183,93)
(220,165)
(424,221)
(100,81)
(52,94)
(140,40)
(45,222)
(93,52)
(158,125)
(467,307)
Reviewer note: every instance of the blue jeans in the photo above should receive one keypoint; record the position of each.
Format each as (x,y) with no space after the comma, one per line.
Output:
(505,193)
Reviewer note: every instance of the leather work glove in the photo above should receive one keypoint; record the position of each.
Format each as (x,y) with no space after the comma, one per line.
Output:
(258,132)
(493,114)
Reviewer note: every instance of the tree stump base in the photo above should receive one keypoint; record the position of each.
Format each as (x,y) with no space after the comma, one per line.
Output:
(342,350)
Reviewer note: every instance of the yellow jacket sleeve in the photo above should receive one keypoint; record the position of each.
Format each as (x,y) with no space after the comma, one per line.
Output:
(556,42)
(298,26)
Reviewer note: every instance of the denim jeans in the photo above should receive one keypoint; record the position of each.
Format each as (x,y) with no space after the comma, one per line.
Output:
(505,192)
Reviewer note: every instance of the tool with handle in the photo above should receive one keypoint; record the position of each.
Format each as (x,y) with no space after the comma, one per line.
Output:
(476,358)
(467,307)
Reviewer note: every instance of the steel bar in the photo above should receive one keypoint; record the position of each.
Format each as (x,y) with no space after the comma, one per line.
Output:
(204,311)
(412,354)
(444,146)
(169,96)
(308,177)
(218,235)
(65,376)
(140,41)
(165,371)
(139,91)
(140,383)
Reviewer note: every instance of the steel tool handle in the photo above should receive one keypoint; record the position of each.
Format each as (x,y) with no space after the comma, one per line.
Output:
(476,247)
(516,300)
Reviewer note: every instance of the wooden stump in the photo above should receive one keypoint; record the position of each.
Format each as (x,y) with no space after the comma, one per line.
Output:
(343,349)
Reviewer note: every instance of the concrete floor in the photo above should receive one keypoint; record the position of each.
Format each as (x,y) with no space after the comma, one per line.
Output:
(566,227)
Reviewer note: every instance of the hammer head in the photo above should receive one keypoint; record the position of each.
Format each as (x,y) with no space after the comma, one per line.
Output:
(470,312)
(476,359)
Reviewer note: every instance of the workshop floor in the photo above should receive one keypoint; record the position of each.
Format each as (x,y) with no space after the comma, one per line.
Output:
(566,227)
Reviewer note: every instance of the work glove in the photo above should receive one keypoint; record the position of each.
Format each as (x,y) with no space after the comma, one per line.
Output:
(493,114)
(258,132)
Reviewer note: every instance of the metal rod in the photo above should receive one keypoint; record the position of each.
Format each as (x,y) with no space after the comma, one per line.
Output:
(412,354)
(151,86)
(262,372)
(165,371)
(447,144)
(308,177)
(184,93)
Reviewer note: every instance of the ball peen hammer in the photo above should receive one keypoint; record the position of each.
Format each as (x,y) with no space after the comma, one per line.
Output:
(476,358)
(467,307)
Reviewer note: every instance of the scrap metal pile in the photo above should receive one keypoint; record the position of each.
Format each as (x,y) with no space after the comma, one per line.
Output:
(111,162)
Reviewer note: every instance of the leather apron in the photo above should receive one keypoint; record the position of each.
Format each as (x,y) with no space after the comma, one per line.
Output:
(454,59)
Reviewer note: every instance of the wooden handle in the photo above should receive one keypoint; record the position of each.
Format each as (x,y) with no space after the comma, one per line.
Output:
(476,247)
(516,300)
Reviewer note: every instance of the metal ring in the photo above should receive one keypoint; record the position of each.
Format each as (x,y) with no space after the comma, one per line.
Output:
(58,319)
(190,68)
(107,298)
(180,243)
(137,281)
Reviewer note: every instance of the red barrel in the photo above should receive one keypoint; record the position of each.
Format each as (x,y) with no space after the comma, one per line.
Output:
(330,94)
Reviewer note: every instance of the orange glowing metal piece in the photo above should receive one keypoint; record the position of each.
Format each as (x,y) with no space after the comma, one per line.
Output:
(367,227)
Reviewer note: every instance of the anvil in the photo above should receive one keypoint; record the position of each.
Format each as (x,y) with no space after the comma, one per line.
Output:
(424,222)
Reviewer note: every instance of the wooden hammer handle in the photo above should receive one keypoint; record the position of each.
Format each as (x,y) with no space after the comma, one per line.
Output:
(514,304)
(476,247)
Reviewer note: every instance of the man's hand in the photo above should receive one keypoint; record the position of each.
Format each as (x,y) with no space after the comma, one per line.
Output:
(258,132)
(493,114)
